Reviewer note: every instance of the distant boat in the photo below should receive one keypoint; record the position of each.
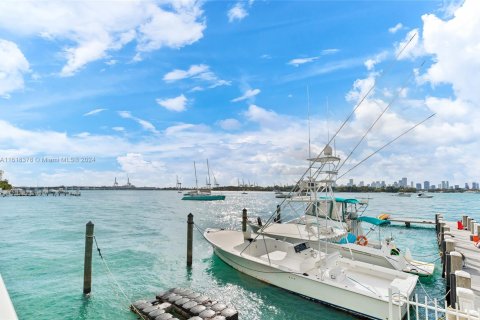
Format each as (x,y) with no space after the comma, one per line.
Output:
(423,195)
(403,194)
(282,195)
(202,194)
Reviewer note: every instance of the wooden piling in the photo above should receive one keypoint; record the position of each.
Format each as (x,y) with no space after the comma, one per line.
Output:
(467,226)
(87,267)
(464,221)
(463,279)
(472,226)
(407,224)
(278,218)
(478,230)
(456,261)
(437,219)
(244,220)
(189,239)
(452,297)
(447,267)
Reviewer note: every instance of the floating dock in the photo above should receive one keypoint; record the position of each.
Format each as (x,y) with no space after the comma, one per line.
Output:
(409,221)
(7,311)
(183,304)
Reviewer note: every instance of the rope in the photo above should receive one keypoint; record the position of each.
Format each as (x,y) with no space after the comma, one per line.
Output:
(110,274)
(425,291)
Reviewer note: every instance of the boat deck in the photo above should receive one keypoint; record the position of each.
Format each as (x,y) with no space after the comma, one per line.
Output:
(7,311)
(472,256)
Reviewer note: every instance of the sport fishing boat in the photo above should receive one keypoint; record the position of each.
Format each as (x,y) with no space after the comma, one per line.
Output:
(424,195)
(358,287)
(202,194)
(338,224)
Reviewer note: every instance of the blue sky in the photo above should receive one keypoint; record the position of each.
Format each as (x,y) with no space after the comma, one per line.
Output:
(148,87)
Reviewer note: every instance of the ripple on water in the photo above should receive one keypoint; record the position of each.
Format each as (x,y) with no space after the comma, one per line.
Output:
(142,236)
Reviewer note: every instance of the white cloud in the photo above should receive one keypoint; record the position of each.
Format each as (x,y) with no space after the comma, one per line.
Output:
(250,93)
(177,104)
(298,61)
(230,124)
(410,47)
(94,112)
(237,12)
(13,65)
(197,71)
(330,51)
(96,29)
(146,125)
(118,129)
(178,74)
(371,62)
(455,46)
(135,163)
(395,28)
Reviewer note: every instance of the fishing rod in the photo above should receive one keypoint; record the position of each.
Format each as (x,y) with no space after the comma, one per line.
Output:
(379,117)
(387,144)
(312,161)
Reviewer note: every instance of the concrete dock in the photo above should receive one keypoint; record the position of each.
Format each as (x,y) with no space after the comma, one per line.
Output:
(467,248)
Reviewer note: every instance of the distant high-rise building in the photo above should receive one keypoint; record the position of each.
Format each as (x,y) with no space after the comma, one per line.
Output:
(475,185)
(1,175)
(447,184)
(350,183)
(466,186)
(444,185)
(418,186)
(411,184)
(404,182)
(361,184)
(426,185)
(384,184)
(432,187)
(457,187)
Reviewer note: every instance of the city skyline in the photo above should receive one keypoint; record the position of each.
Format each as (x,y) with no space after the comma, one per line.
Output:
(425,185)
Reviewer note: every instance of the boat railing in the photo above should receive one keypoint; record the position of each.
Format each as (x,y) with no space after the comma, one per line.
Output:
(430,308)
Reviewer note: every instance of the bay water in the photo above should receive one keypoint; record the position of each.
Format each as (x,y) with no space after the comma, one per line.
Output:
(142,237)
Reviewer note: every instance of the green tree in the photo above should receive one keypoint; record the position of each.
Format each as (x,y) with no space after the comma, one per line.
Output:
(4,185)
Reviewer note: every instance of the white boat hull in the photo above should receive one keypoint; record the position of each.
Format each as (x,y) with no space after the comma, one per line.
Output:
(363,254)
(325,292)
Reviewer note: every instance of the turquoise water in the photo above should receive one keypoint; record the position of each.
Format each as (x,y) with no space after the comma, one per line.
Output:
(142,235)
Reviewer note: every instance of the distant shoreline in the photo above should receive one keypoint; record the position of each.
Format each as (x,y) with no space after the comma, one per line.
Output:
(342,189)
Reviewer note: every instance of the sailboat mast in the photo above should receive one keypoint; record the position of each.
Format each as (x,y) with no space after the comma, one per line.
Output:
(195,169)
(209,183)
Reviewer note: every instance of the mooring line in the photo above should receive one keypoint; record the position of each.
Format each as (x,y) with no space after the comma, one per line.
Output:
(109,272)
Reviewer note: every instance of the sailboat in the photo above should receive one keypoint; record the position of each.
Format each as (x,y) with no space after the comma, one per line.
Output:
(312,271)
(204,194)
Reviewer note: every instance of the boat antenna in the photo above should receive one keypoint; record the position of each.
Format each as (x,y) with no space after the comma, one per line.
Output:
(328,122)
(309,131)
(387,144)
(379,116)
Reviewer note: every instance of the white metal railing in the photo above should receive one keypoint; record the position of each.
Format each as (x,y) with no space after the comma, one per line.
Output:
(430,309)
